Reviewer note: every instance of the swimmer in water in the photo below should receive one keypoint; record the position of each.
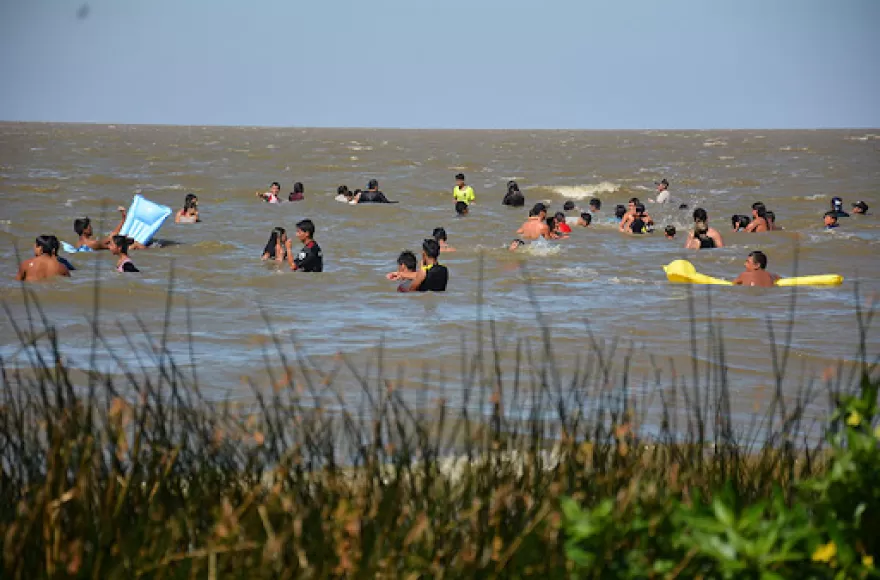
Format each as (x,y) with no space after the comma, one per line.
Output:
(830,220)
(83,228)
(638,222)
(190,212)
(515,245)
(462,191)
(636,211)
(461,209)
(45,263)
(534,227)
(662,191)
(513,197)
(860,207)
(343,195)
(584,220)
(837,207)
(756,273)
(119,245)
(771,221)
(270,196)
(619,213)
(298,193)
(371,195)
(699,238)
(431,277)
(553,227)
(440,235)
(310,258)
(561,226)
(739,222)
(595,205)
(669,232)
(759,219)
(276,246)
(700,215)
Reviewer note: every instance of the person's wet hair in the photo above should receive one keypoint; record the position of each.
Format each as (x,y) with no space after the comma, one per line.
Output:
(560,217)
(634,200)
(373,184)
(620,211)
(568,206)
(759,258)
(343,190)
(551,223)
(439,234)
(596,203)
(48,245)
(408,260)
(307,226)
(190,201)
(298,187)
(534,212)
(123,243)
(461,207)
(431,247)
(275,184)
(771,216)
(700,215)
(640,208)
(459,176)
(274,238)
(760,209)
(587,217)
(516,243)
(80,225)
(539,207)
(683,206)
(670,231)
(512,186)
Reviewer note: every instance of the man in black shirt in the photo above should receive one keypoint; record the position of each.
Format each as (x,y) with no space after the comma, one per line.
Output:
(431,277)
(310,258)
(372,194)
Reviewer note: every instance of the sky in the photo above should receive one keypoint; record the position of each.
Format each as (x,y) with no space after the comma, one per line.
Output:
(494,64)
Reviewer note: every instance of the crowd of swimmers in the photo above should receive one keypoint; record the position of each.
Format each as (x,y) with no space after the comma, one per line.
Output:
(427,273)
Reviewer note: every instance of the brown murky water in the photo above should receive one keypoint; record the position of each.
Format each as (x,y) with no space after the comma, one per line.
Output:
(51,174)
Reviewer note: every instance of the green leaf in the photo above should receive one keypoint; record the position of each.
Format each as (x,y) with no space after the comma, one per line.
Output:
(723,513)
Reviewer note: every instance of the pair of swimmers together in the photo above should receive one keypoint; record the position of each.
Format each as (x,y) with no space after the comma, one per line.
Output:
(831,217)
(46,262)
(279,248)
(432,276)
(274,193)
(762,220)
(369,195)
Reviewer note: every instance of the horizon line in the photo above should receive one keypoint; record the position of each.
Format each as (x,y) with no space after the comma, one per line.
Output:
(428,128)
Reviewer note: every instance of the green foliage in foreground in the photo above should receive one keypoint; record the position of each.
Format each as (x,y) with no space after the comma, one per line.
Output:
(147,479)
(829,529)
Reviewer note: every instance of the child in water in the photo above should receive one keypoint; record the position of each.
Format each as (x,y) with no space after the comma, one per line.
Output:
(119,246)
(756,273)
(440,235)
(276,246)
(670,232)
(831,220)
(461,209)
(310,258)
(44,264)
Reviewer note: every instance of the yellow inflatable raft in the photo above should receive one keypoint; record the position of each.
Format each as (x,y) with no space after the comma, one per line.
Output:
(683,272)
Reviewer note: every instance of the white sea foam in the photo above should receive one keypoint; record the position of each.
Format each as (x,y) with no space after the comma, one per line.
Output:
(579,273)
(541,248)
(715,143)
(585,191)
(726,157)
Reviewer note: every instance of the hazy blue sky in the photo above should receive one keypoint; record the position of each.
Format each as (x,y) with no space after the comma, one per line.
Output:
(444,63)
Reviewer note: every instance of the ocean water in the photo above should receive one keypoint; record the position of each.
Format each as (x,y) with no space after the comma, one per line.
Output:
(227,303)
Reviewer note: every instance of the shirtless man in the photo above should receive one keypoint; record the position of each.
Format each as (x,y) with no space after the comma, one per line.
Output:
(83,228)
(756,273)
(636,214)
(759,219)
(45,262)
(700,215)
(534,227)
